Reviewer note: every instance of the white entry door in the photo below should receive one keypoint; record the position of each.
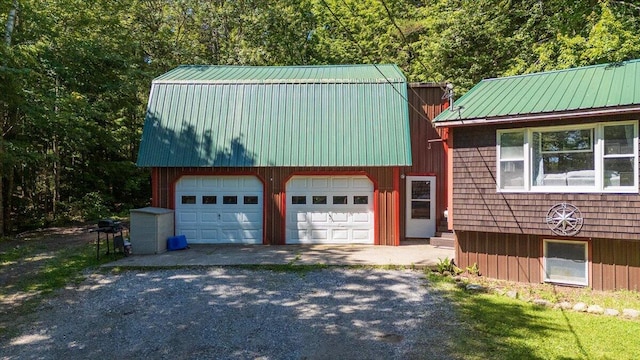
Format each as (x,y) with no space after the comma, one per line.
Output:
(421,206)
(219,209)
(330,210)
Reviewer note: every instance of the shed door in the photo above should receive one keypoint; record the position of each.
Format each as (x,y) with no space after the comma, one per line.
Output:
(330,210)
(421,206)
(219,209)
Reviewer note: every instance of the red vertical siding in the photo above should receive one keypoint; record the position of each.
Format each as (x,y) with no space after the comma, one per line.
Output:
(615,264)
(427,145)
(274,195)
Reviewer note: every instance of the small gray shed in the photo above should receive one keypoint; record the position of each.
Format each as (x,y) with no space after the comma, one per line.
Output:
(150,227)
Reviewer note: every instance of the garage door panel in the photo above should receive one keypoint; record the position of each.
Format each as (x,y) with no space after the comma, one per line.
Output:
(319,217)
(253,235)
(188,184)
(340,234)
(209,217)
(190,233)
(319,183)
(231,183)
(338,183)
(361,234)
(209,183)
(188,217)
(361,183)
(361,217)
(320,234)
(209,234)
(340,217)
(234,218)
(251,218)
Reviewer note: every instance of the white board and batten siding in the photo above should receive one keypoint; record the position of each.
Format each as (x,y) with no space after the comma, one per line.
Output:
(219,209)
(330,210)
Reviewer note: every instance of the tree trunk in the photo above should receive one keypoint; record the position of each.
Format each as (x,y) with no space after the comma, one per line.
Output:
(11,21)
(8,33)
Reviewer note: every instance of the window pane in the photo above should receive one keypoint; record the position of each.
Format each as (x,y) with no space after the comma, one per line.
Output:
(421,189)
(562,167)
(319,200)
(188,199)
(209,199)
(250,200)
(512,175)
(229,200)
(569,140)
(360,200)
(566,262)
(618,172)
(618,139)
(341,200)
(512,145)
(421,209)
(298,199)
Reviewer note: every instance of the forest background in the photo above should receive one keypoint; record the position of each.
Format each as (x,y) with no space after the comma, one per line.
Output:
(75,74)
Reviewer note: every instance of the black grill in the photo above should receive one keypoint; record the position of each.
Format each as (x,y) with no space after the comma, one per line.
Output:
(109,226)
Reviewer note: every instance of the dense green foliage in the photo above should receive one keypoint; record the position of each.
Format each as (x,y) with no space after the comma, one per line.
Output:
(74,75)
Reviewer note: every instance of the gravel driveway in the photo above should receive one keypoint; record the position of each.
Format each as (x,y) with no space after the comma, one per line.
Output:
(231,313)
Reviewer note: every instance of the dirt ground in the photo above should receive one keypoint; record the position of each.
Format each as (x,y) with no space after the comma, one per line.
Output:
(44,242)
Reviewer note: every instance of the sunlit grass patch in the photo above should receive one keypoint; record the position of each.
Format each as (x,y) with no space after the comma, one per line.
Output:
(498,327)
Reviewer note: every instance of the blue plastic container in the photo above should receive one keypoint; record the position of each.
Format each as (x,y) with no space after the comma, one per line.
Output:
(178,242)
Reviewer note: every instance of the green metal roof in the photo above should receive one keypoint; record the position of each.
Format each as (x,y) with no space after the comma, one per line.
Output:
(599,89)
(233,116)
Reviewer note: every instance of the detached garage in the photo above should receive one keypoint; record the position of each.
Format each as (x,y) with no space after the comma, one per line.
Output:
(279,155)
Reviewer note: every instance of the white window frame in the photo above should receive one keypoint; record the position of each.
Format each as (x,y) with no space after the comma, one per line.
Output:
(599,156)
(586,262)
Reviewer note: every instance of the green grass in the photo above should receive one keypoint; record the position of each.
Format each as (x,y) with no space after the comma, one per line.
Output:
(48,271)
(498,327)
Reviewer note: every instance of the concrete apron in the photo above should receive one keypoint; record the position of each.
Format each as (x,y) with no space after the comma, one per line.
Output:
(411,254)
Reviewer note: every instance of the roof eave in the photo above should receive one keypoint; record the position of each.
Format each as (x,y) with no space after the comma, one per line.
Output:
(540,117)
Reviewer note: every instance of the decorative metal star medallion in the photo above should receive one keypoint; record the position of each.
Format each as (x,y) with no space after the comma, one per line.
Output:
(564,219)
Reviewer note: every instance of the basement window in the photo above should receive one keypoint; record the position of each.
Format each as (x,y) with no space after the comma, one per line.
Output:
(566,262)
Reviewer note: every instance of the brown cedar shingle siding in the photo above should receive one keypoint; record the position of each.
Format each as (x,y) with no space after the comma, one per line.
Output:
(275,179)
(614,264)
(479,207)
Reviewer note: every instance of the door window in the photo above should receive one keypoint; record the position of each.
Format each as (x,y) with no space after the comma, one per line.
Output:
(421,199)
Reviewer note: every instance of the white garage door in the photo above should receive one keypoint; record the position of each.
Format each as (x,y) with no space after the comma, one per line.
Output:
(219,209)
(330,210)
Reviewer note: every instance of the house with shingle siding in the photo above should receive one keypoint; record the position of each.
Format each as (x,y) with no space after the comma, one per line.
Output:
(545,176)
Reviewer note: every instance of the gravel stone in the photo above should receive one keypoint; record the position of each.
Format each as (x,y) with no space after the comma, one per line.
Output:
(231,313)
(475,287)
(542,302)
(595,309)
(611,312)
(630,313)
(581,307)
(565,305)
